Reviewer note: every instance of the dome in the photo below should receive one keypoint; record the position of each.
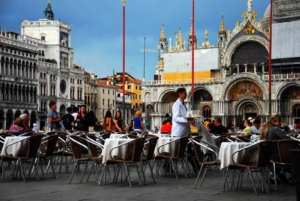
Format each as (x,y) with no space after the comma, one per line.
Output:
(266,19)
(267,12)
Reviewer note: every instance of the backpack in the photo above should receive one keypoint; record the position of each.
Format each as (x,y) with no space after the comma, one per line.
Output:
(67,121)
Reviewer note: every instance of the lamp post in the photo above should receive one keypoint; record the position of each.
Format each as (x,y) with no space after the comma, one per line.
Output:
(123,68)
(270,60)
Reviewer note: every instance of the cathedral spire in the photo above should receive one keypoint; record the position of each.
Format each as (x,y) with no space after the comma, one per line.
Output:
(222,26)
(179,37)
(190,40)
(163,37)
(48,12)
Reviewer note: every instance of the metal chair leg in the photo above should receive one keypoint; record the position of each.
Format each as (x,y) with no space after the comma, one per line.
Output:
(73,172)
(198,176)
(251,176)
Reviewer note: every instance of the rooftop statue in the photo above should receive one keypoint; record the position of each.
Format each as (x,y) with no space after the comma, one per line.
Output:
(249,5)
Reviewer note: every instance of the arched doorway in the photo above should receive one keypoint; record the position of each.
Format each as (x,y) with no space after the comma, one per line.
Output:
(17,114)
(9,119)
(32,118)
(244,110)
(244,100)
(167,102)
(1,119)
(290,105)
(62,110)
(202,100)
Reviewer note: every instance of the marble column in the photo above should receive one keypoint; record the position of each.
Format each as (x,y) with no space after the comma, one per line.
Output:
(263,68)
(237,68)
(246,68)
(255,66)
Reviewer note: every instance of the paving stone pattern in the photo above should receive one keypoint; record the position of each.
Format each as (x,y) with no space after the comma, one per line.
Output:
(166,188)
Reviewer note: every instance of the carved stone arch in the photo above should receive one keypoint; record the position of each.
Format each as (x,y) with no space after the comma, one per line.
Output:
(165,92)
(148,97)
(248,100)
(283,87)
(230,50)
(243,76)
(189,97)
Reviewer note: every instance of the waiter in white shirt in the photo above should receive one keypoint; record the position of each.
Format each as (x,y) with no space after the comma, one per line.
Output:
(180,125)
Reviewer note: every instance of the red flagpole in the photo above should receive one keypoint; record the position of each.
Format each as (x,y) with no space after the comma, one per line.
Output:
(270,58)
(123,68)
(193,49)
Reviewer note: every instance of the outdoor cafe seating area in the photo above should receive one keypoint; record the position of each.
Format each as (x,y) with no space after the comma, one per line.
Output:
(135,158)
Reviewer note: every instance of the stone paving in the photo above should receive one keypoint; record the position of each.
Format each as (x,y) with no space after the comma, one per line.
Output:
(166,188)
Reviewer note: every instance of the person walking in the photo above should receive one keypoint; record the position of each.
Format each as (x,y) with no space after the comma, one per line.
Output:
(180,125)
(138,124)
(82,120)
(53,121)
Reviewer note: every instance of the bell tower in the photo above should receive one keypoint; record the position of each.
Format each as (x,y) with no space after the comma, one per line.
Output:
(163,42)
(48,12)
(190,40)
(222,36)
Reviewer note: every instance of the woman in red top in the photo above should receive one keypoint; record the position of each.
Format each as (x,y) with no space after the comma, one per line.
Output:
(167,127)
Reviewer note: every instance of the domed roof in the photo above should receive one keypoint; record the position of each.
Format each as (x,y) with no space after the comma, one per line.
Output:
(266,19)
(267,12)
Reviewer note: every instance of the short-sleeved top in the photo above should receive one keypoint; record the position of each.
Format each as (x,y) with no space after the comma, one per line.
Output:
(247,131)
(137,123)
(54,116)
(17,129)
(166,128)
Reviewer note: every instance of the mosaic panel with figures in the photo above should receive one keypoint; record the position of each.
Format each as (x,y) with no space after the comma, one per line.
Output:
(245,88)
(292,92)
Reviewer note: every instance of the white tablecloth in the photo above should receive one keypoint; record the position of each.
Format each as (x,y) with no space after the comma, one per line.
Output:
(228,148)
(169,148)
(14,149)
(118,152)
(162,135)
(117,135)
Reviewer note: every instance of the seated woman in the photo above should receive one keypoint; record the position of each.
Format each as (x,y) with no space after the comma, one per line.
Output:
(194,129)
(247,132)
(17,126)
(272,131)
(167,127)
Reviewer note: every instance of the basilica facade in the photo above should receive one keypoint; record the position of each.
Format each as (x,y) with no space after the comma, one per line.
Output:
(231,78)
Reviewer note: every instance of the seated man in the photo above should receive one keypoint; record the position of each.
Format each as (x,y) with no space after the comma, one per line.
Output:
(256,128)
(218,127)
(167,127)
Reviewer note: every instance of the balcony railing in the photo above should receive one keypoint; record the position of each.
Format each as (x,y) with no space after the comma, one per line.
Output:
(46,64)
(275,77)
(283,77)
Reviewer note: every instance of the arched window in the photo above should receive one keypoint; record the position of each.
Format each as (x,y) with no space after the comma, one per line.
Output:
(296,110)
(206,111)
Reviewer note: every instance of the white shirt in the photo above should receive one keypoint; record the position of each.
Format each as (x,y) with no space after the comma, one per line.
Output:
(180,125)
(75,117)
(255,130)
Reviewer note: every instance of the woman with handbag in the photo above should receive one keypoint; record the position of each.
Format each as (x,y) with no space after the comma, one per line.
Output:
(108,121)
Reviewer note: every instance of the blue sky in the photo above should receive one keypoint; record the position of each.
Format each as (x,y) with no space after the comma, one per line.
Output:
(97,26)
